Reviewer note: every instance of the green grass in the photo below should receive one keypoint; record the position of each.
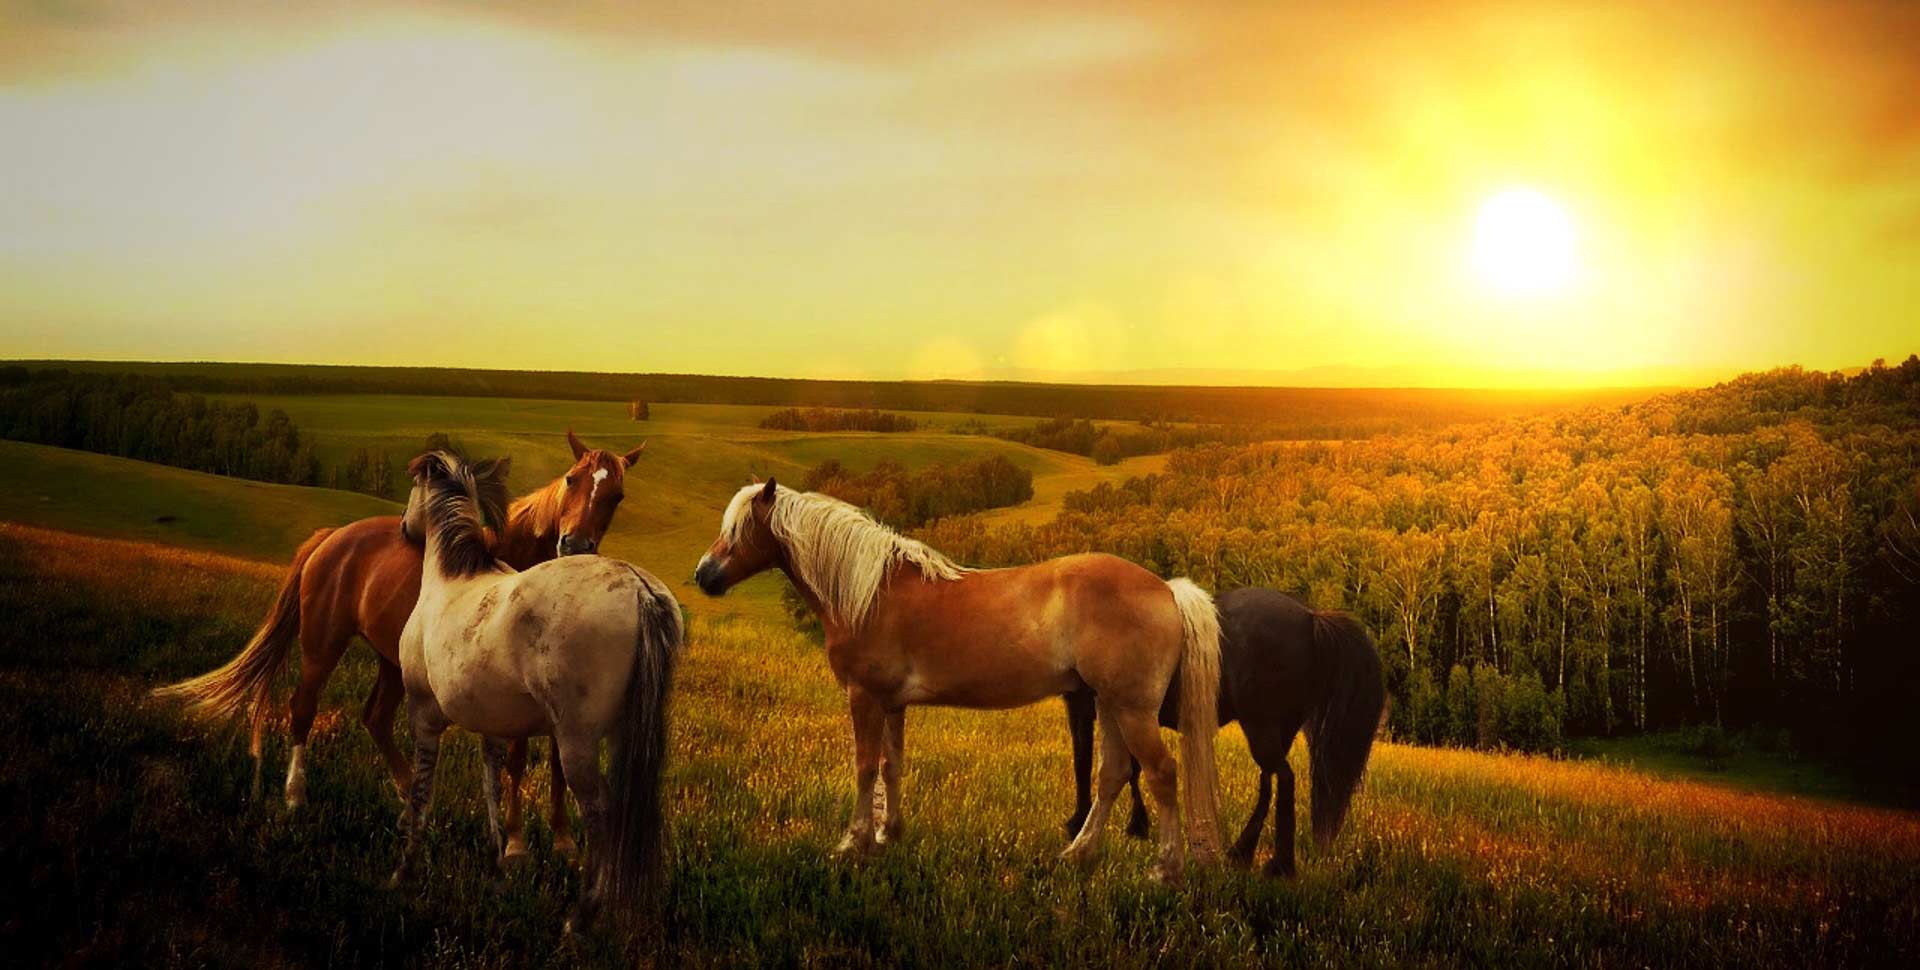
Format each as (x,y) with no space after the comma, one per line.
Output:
(697,456)
(101,495)
(1740,762)
(132,840)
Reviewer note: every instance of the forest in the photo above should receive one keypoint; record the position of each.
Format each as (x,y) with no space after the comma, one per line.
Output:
(1745,556)
(905,500)
(836,419)
(143,418)
(1109,444)
(1297,412)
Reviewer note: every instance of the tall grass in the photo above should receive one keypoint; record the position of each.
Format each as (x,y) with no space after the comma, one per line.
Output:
(131,838)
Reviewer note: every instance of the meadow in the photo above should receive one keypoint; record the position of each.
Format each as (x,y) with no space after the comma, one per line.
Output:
(136,839)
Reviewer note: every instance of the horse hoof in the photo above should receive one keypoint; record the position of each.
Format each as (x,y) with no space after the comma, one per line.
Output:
(1273,870)
(1138,828)
(566,848)
(854,847)
(1080,859)
(1240,860)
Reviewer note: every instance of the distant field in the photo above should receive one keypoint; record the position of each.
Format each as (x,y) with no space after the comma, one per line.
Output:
(1306,412)
(133,841)
(696,457)
(106,496)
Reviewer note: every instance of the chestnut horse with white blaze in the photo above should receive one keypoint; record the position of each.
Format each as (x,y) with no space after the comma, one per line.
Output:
(580,648)
(906,625)
(363,579)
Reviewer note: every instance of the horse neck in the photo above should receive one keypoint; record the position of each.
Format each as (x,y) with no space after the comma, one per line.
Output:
(836,631)
(531,535)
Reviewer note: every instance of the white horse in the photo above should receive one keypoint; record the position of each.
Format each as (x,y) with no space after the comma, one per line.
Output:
(581,648)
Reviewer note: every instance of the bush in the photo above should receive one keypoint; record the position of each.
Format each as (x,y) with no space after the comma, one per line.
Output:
(836,419)
(906,500)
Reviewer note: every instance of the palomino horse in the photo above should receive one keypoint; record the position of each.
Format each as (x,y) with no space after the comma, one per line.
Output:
(905,625)
(581,648)
(1283,666)
(363,579)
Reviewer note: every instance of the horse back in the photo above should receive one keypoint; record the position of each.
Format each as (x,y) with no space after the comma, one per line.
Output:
(364,578)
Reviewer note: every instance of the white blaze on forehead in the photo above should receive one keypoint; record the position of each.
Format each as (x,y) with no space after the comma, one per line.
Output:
(599,475)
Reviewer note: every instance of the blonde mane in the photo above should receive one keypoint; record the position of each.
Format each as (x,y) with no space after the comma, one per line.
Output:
(838,551)
(540,510)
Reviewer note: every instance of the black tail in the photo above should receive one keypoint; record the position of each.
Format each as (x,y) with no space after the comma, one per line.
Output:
(632,871)
(1342,718)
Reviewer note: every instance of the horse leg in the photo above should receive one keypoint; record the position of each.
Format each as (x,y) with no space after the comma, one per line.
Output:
(580,754)
(1269,743)
(516,765)
(1139,823)
(320,650)
(377,718)
(1114,760)
(1282,862)
(1241,855)
(1080,714)
(428,725)
(494,752)
(557,817)
(869,737)
(1140,730)
(892,759)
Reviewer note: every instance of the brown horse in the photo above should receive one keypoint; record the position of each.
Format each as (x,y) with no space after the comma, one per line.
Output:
(364,579)
(905,625)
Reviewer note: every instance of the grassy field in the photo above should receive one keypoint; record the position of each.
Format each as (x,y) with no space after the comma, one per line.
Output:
(133,840)
(697,455)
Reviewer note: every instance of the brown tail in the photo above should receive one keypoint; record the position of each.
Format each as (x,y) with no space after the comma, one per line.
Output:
(247,679)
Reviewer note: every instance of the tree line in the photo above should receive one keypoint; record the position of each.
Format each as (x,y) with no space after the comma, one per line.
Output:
(1744,555)
(905,499)
(1301,412)
(1110,443)
(836,419)
(144,418)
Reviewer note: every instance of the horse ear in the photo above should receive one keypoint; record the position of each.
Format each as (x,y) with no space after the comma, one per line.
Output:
(574,442)
(493,469)
(634,455)
(766,494)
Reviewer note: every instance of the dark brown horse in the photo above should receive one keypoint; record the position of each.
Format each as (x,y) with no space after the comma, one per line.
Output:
(363,579)
(1283,666)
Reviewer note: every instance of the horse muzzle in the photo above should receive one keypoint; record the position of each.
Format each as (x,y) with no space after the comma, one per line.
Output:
(710,577)
(577,546)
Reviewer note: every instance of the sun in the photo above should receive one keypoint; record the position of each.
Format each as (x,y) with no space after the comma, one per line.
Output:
(1524,244)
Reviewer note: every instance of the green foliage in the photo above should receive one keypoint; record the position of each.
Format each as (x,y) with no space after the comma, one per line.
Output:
(1109,444)
(142,418)
(1745,554)
(905,500)
(836,419)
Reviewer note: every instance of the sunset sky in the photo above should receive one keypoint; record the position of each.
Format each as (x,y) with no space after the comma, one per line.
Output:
(1052,190)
